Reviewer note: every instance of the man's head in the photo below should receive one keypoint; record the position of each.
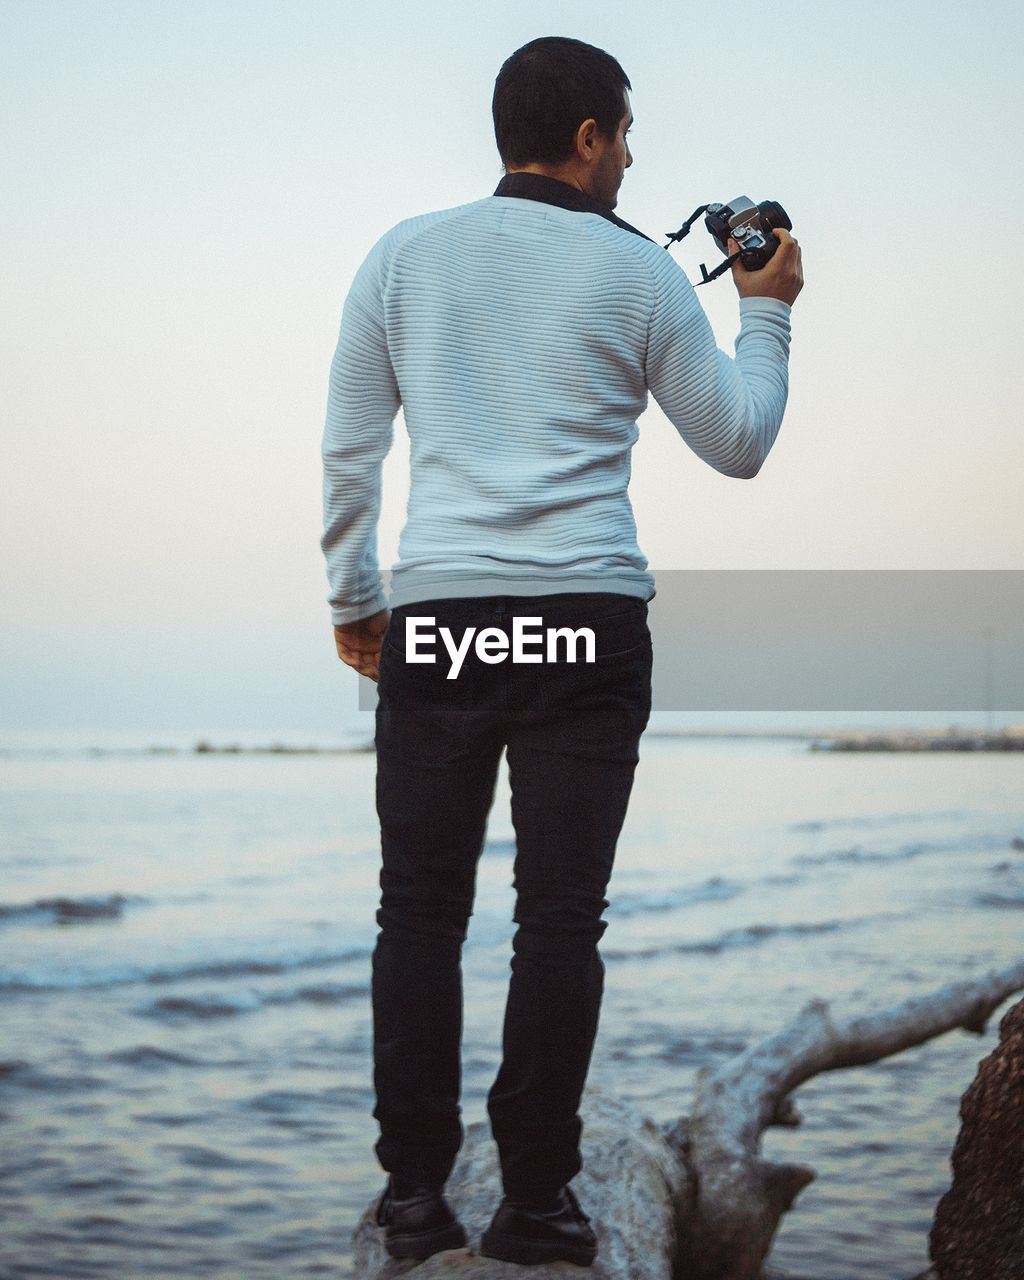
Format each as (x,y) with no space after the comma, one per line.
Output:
(561,108)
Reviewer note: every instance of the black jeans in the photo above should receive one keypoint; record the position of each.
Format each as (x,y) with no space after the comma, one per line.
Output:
(572,732)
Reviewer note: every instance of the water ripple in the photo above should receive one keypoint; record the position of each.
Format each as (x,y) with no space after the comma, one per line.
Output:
(26,984)
(66,911)
(218,1005)
(716,889)
(975,844)
(1000,900)
(748,935)
(147,1055)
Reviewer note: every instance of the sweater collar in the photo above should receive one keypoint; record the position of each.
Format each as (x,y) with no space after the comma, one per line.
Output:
(537,186)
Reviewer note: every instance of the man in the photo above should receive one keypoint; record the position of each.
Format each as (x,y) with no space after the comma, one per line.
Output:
(521,334)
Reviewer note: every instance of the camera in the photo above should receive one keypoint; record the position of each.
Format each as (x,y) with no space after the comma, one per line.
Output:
(750,225)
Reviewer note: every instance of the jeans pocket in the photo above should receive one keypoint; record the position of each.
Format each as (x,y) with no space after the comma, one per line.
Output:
(621,636)
(421,714)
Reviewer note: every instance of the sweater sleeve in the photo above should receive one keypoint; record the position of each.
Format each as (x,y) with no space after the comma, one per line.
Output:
(727,410)
(362,401)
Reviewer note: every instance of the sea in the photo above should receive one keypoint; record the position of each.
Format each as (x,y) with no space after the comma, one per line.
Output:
(185,949)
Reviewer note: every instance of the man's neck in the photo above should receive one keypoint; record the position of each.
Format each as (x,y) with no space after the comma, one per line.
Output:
(560,173)
(530,184)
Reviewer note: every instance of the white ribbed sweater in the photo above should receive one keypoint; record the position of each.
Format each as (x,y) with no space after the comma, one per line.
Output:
(521,339)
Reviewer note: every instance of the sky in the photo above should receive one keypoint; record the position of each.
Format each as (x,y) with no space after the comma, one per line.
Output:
(189,189)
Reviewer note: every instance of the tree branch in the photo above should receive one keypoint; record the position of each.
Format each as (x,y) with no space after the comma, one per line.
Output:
(740,1197)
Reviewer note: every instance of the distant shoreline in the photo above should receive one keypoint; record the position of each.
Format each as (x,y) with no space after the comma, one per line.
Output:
(939,738)
(951,738)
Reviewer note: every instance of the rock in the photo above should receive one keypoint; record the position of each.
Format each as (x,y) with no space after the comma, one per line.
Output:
(978,1233)
(629,1186)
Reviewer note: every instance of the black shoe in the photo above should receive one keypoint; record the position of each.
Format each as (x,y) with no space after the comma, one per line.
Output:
(419,1226)
(520,1234)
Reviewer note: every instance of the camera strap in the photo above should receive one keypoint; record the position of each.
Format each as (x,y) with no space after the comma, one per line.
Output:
(713,275)
(683,232)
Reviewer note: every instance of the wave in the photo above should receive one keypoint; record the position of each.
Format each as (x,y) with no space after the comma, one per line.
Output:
(217,1005)
(974,844)
(199,1157)
(148,1055)
(27,1075)
(325,993)
(879,820)
(65,911)
(241,968)
(245,968)
(1000,900)
(716,889)
(683,1050)
(748,935)
(201,1007)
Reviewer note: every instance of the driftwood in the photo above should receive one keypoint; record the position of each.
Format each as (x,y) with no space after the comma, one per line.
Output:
(693,1200)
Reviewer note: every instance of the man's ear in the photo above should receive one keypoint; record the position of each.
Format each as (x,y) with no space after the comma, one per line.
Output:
(586,135)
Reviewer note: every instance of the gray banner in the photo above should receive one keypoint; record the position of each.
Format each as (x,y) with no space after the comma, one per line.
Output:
(823,640)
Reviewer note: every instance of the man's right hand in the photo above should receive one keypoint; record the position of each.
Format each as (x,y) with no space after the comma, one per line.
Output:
(781,277)
(359,643)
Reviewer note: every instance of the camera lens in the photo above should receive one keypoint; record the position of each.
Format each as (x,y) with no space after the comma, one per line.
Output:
(774,215)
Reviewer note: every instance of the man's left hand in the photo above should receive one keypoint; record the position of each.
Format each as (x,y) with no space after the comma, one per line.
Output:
(359,643)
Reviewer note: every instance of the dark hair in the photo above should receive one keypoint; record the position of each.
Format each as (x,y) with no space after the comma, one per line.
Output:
(545,91)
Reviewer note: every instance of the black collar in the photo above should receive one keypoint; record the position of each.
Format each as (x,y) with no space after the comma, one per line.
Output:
(537,186)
